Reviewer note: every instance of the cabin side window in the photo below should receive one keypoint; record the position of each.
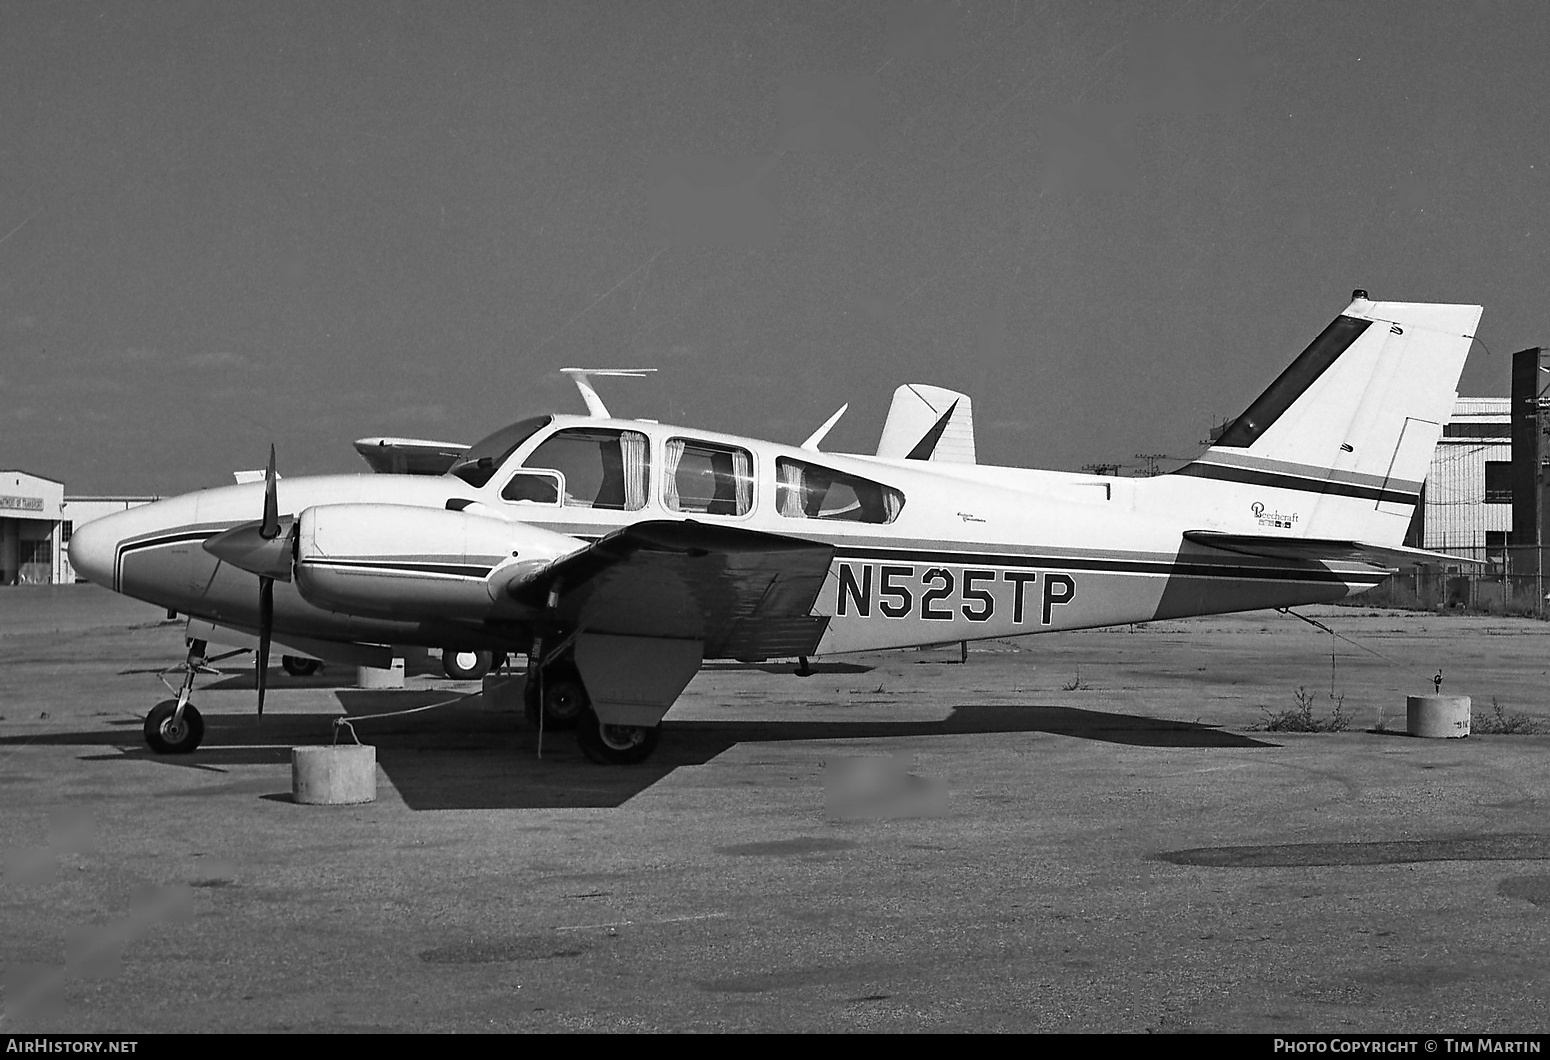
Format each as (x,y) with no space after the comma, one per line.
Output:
(809,491)
(602,468)
(706,478)
(533,487)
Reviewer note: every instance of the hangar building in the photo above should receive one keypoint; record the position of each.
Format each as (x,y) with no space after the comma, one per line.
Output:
(36,520)
(1466,504)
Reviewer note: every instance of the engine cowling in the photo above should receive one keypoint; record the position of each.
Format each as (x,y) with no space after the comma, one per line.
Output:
(396,561)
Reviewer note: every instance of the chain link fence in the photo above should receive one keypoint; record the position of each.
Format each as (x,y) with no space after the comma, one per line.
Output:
(1509,581)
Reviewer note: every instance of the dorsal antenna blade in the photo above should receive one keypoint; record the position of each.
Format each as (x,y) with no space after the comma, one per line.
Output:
(580,376)
(822,432)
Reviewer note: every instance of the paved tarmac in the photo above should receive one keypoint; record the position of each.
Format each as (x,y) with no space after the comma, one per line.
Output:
(1086,832)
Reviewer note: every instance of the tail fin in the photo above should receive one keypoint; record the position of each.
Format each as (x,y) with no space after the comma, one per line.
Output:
(928,423)
(1353,420)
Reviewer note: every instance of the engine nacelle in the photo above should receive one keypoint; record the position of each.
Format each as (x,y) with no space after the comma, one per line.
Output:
(389,560)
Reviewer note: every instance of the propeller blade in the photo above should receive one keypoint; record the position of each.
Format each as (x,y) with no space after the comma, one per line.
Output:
(265,628)
(269,529)
(271,525)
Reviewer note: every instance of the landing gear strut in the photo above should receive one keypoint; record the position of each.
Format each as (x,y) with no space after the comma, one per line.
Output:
(566,705)
(174,727)
(556,697)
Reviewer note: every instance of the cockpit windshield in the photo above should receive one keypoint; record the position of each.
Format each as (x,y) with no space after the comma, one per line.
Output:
(485,457)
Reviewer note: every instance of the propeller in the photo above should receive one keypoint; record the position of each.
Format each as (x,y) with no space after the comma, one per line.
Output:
(264,547)
(268,530)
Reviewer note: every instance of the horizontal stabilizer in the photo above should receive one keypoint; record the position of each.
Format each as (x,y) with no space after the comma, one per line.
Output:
(409,456)
(928,423)
(1391,557)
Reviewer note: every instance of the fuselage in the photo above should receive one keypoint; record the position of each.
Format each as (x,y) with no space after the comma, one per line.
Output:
(923,552)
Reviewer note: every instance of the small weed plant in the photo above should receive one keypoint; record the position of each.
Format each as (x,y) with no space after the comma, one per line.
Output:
(1500,723)
(1302,719)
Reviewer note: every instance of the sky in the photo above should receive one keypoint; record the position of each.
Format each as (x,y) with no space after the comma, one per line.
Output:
(1112,224)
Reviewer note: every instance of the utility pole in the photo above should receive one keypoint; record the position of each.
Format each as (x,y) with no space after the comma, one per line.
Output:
(1150,471)
(1528,470)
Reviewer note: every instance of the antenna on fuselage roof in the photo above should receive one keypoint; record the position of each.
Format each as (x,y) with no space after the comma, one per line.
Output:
(595,407)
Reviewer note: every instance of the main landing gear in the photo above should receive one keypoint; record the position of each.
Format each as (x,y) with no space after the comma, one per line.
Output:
(470,665)
(298,666)
(615,745)
(558,691)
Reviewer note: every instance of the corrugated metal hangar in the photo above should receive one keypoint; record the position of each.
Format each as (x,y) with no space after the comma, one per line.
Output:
(1466,505)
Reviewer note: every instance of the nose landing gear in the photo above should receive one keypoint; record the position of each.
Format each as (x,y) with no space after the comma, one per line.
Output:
(174,726)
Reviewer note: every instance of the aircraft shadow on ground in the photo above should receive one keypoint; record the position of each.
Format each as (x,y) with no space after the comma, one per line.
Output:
(466,756)
(793,668)
(237,680)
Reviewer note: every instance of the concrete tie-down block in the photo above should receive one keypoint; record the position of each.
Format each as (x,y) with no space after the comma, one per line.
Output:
(341,775)
(1438,717)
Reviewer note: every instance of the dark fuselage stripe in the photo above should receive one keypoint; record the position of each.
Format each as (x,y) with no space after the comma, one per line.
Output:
(1277,480)
(1270,571)
(452,570)
(176,538)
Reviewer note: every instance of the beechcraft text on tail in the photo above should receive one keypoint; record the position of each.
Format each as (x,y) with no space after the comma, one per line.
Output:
(621,554)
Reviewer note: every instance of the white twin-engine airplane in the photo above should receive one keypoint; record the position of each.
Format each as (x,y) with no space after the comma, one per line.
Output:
(620,554)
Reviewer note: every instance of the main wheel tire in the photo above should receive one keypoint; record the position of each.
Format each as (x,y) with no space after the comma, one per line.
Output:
(565,698)
(297,666)
(615,745)
(465,665)
(169,737)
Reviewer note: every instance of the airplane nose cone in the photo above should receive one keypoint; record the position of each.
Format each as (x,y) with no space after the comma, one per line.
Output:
(92,549)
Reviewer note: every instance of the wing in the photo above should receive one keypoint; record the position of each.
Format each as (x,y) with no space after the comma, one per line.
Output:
(409,456)
(745,594)
(1388,557)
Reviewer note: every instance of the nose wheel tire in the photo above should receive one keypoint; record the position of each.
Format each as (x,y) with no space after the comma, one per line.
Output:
(615,745)
(168,735)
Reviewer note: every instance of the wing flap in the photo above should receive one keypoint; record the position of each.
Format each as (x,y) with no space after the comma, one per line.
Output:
(744,593)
